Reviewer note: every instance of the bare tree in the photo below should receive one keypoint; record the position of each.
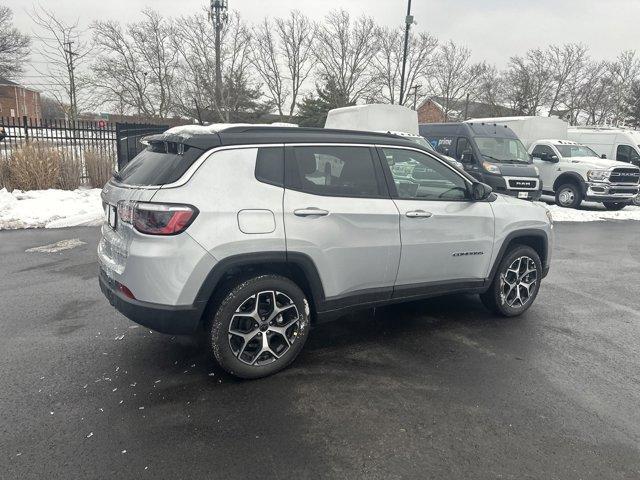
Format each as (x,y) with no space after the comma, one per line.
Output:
(14,46)
(530,82)
(66,53)
(296,33)
(239,99)
(135,69)
(344,50)
(387,63)
(267,60)
(491,90)
(567,66)
(594,96)
(624,71)
(454,76)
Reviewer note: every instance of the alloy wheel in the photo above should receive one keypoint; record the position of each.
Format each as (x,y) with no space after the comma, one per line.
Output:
(518,283)
(264,327)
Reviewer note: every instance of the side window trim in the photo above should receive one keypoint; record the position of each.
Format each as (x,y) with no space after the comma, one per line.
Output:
(392,185)
(292,176)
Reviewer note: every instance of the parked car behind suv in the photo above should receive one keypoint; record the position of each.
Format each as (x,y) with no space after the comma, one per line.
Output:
(250,234)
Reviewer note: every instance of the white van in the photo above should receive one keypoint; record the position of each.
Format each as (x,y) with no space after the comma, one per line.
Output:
(616,143)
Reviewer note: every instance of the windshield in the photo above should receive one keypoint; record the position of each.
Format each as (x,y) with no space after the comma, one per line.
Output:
(576,151)
(503,150)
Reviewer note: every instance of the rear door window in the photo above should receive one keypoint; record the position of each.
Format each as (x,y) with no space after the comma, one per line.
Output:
(334,171)
(160,163)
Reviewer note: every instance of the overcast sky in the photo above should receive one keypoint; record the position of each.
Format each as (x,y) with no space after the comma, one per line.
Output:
(493,29)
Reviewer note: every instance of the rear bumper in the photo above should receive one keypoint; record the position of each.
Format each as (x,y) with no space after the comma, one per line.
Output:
(175,320)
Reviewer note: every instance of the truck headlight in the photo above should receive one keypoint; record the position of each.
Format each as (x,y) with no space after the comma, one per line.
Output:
(598,175)
(491,168)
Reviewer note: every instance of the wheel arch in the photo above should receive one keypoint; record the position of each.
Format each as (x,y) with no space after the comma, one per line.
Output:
(298,267)
(534,238)
(570,177)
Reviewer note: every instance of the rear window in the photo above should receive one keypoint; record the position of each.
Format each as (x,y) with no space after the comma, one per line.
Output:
(160,163)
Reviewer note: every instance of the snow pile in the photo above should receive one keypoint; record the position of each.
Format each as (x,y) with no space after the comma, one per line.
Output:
(592,212)
(50,208)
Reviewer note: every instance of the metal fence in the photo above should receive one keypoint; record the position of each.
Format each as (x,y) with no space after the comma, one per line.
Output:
(71,138)
(119,141)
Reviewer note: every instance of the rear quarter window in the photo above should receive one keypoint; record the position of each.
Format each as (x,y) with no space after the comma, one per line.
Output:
(159,164)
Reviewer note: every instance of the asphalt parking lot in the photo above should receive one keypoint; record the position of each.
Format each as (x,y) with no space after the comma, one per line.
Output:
(432,389)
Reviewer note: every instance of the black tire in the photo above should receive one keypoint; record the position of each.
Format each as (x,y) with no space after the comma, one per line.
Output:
(494,298)
(569,195)
(614,205)
(232,309)
(636,200)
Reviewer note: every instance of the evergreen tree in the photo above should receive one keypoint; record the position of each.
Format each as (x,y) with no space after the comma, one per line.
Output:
(314,107)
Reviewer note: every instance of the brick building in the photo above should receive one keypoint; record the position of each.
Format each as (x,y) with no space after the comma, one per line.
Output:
(17,100)
(432,111)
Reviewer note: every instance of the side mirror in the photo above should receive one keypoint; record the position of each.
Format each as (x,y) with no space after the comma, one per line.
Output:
(480,191)
(604,155)
(554,159)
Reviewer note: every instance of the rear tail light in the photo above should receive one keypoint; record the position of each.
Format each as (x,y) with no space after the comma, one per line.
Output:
(157,218)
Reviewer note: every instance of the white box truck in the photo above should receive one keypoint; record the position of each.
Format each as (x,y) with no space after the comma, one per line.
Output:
(569,170)
(383,118)
(614,143)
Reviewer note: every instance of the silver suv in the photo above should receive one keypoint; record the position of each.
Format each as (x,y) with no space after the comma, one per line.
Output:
(252,234)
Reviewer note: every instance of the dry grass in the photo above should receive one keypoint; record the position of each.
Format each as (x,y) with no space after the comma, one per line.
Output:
(33,166)
(70,174)
(99,166)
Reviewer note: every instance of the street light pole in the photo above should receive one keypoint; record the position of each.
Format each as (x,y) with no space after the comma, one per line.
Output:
(219,16)
(408,22)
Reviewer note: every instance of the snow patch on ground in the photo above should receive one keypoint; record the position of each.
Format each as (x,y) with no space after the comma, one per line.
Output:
(50,208)
(57,247)
(592,212)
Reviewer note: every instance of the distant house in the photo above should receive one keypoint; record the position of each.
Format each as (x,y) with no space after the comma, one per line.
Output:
(17,100)
(432,111)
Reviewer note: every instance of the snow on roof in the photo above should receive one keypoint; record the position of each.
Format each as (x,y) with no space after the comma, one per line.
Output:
(191,130)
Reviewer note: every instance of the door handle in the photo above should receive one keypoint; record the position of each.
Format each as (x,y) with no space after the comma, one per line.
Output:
(310,211)
(418,214)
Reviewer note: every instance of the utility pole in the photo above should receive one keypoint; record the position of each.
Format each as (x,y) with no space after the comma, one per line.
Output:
(218,15)
(466,108)
(72,81)
(415,89)
(408,23)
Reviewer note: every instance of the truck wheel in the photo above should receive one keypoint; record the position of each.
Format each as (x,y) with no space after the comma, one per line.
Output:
(614,205)
(569,195)
(636,200)
(260,326)
(516,282)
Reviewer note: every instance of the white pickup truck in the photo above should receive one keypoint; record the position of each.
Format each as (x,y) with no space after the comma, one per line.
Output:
(570,171)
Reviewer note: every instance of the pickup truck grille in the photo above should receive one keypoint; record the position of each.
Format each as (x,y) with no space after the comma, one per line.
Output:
(625,175)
